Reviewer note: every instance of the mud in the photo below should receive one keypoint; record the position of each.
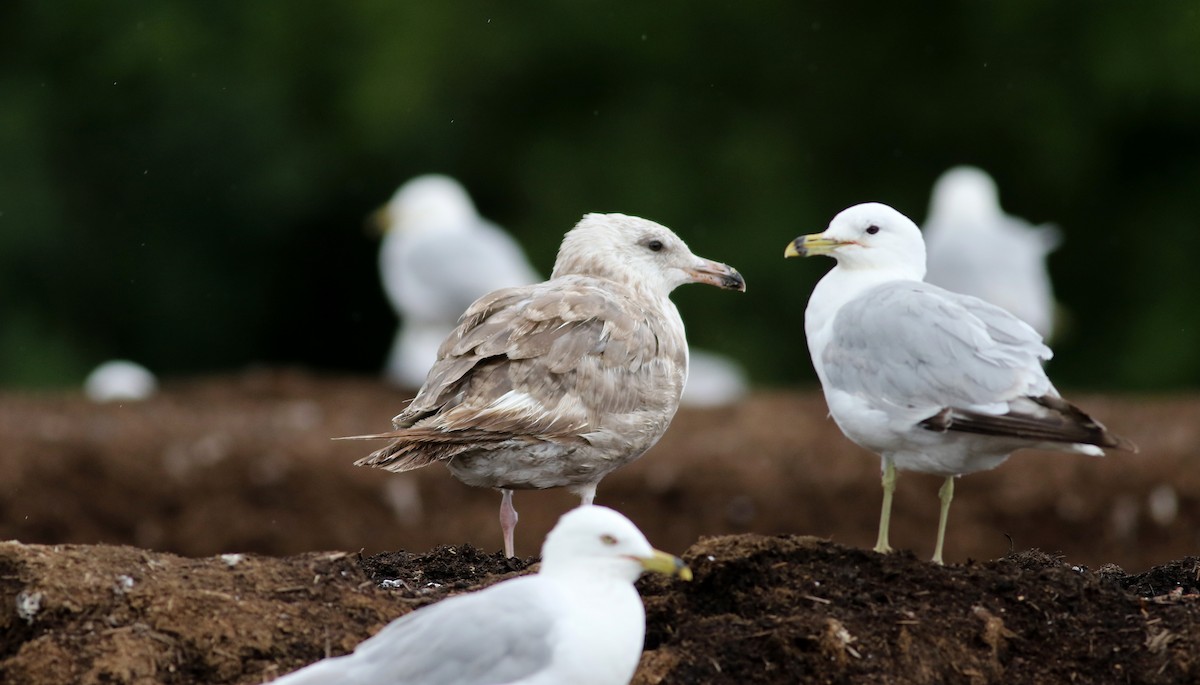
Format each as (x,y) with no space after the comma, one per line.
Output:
(123,513)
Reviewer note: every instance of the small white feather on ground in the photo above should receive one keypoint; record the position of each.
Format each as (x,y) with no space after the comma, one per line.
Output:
(578,620)
(931,380)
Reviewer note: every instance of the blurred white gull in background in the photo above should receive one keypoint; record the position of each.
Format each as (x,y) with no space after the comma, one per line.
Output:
(119,380)
(714,380)
(439,255)
(974,248)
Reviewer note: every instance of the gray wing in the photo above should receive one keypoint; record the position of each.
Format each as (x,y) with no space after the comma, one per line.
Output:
(564,360)
(954,363)
(913,345)
(1005,266)
(501,635)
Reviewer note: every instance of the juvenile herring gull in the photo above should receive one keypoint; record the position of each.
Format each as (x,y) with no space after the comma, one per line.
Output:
(557,384)
(931,380)
(974,248)
(579,620)
(437,257)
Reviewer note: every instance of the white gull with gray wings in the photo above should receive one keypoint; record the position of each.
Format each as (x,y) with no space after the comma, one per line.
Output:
(930,380)
(579,620)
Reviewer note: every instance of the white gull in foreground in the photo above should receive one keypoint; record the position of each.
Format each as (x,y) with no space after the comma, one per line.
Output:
(559,383)
(579,620)
(931,380)
(974,248)
(437,257)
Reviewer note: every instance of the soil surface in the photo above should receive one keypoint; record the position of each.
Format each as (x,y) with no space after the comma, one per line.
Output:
(215,534)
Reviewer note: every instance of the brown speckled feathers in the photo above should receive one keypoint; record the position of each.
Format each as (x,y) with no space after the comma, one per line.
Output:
(557,384)
(549,363)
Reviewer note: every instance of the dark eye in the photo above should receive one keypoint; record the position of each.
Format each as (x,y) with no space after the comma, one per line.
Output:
(655,245)
(872,229)
(606,538)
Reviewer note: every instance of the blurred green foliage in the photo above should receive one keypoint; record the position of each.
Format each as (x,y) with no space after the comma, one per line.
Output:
(184,183)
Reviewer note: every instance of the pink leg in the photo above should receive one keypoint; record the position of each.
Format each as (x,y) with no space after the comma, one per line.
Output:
(508,521)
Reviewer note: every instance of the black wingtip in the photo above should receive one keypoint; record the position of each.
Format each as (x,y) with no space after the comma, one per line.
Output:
(1065,423)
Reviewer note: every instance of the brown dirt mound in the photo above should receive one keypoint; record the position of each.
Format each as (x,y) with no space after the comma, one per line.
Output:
(245,464)
(792,609)
(782,609)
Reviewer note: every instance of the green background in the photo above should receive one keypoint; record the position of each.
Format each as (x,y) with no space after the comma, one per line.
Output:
(184,183)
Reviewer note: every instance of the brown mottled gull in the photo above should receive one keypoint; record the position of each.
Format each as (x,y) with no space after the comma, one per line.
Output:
(557,384)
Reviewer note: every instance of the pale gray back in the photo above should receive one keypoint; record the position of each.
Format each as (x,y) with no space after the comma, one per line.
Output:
(911,344)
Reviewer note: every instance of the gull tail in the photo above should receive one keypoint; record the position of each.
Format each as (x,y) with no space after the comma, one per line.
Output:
(403,454)
(412,448)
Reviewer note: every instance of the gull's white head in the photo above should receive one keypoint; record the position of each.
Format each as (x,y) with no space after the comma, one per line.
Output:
(429,202)
(966,196)
(639,253)
(596,540)
(868,236)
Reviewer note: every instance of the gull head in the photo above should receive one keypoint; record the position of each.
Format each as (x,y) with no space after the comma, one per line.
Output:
(966,196)
(638,253)
(868,236)
(597,540)
(428,202)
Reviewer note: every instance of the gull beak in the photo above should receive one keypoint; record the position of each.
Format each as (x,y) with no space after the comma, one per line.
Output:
(378,222)
(718,274)
(666,564)
(813,244)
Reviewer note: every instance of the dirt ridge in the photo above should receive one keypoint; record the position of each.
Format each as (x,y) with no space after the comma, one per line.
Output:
(762,609)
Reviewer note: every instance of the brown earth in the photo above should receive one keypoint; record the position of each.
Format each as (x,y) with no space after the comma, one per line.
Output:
(244,464)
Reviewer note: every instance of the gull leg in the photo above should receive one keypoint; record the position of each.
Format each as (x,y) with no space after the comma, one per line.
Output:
(945,494)
(885,516)
(508,521)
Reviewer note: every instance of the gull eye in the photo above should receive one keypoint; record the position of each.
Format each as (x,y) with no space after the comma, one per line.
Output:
(872,229)
(608,539)
(655,245)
